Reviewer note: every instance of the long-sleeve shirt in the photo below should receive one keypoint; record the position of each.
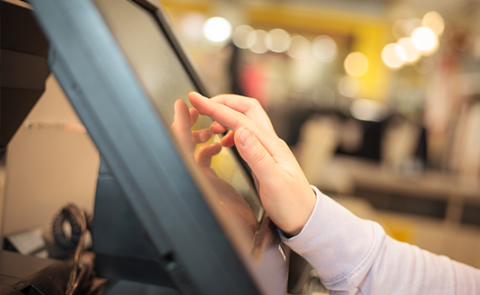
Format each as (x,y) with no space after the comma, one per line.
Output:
(355,256)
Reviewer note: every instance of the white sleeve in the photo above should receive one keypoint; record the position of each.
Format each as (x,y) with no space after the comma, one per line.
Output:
(355,256)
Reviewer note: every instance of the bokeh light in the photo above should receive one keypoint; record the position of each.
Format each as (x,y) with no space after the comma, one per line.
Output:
(299,47)
(356,64)
(258,39)
(240,37)
(191,25)
(410,25)
(278,40)
(367,110)
(425,39)
(393,55)
(217,29)
(434,21)
(349,86)
(398,29)
(412,53)
(324,48)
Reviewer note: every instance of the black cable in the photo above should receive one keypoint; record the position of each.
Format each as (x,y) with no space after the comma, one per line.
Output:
(79,222)
(61,239)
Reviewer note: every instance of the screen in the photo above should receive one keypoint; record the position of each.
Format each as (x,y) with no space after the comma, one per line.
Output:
(167,84)
(173,199)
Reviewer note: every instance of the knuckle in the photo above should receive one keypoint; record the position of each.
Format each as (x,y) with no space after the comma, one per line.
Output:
(242,120)
(254,103)
(216,97)
(282,142)
(258,155)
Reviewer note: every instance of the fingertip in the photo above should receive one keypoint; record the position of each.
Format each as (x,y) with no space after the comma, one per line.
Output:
(228,140)
(194,94)
(193,116)
(218,147)
(217,128)
(205,135)
(200,102)
(180,104)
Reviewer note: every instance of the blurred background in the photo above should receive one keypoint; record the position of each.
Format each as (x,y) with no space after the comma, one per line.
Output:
(409,67)
(378,99)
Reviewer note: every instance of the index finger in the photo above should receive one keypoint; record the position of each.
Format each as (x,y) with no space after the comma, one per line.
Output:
(218,112)
(234,120)
(228,111)
(250,107)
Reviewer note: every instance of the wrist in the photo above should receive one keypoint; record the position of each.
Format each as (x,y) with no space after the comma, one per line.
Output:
(304,215)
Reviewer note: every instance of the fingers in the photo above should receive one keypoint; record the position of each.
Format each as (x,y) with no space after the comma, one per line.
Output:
(218,112)
(234,119)
(206,152)
(201,136)
(281,183)
(231,110)
(217,128)
(250,107)
(181,122)
(193,116)
(228,140)
(257,157)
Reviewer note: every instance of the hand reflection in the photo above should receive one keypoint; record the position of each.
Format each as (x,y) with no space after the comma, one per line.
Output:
(183,121)
(228,197)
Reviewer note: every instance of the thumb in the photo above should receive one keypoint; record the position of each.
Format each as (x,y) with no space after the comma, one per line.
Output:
(255,154)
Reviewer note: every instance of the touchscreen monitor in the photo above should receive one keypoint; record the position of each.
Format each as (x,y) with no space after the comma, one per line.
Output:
(128,78)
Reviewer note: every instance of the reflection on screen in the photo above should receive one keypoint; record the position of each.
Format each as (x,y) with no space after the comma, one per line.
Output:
(167,84)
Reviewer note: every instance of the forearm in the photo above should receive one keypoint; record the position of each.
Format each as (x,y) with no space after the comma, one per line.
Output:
(355,256)
(340,246)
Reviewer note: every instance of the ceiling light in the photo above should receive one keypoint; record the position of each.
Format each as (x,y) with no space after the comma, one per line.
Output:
(299,47)
(278,40)
(324,48)
(240,37)
(217,29)
(425,39)
(412,53)
(259,46)
(434,21)
(393,55)
(356,64)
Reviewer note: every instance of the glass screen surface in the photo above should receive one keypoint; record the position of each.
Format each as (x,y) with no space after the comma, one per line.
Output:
(167,83)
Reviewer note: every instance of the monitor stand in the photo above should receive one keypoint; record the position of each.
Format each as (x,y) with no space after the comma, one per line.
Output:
(119,241)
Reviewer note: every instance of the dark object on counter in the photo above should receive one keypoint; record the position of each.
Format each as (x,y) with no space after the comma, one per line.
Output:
(30,275)
(24,66)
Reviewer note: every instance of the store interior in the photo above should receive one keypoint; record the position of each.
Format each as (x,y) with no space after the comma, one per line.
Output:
(378,99)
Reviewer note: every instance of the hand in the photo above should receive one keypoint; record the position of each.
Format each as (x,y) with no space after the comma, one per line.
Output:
(284,190)
(183,121)
(229,199)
